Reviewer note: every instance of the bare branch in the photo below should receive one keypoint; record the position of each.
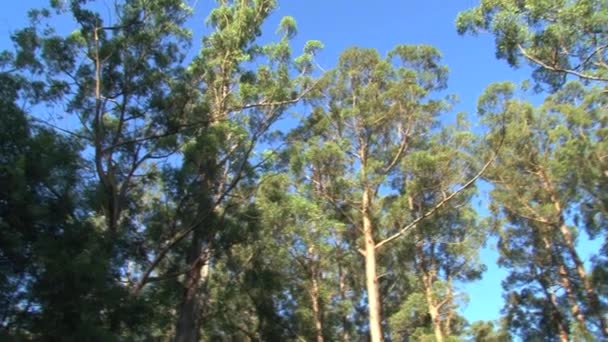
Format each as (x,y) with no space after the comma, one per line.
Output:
(439,205)
(595,52)
(53,126)
(265,103)
(402,148)
(559,69)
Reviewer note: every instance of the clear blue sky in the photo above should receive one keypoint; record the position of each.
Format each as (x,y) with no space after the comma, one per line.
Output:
(380,24)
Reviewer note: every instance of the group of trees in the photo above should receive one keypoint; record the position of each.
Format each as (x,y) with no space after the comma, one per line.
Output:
(162,202)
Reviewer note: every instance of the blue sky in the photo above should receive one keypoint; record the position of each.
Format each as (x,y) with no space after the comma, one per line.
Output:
(380,24)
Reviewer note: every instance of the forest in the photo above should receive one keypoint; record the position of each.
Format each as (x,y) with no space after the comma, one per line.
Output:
(216,182)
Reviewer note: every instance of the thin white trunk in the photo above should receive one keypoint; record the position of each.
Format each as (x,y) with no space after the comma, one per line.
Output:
(371,274)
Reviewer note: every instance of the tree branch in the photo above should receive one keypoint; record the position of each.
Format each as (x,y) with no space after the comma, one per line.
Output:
(559,69)
(399,153)
(439,205)
(265,103)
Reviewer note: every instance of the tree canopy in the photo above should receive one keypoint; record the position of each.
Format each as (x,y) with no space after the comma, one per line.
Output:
(232,189)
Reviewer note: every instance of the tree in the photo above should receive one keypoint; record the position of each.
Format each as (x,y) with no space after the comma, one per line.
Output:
(114,75)
(443,249)
(307,237)
(235,101)
(558,38)
(375,108)
(122,77)
(561,39)
(534,191)
(378,111)
(55,284)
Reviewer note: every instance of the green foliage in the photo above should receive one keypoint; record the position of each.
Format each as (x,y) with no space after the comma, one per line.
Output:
(547,154)
(55,275)
(162,204)
(485,331)
(559,38)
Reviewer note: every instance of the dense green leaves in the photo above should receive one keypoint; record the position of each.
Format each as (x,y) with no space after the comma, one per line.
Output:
(559,38)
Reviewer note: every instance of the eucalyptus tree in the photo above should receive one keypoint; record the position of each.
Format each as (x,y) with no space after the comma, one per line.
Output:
(558,38)
(238,90)
(377,112)
(310,233)
(306,238)
(535,307)
(111,78)
(563,40)
(443,249)
(537,195)
(106,85)
(113,75)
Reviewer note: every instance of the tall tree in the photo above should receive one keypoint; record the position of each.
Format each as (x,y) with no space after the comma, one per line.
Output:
(375,108)
(562,40)
(113,75)
(306,236)
(535,189)
(56,283)
(378,111)
(443,249)
(558,38)
(239,90)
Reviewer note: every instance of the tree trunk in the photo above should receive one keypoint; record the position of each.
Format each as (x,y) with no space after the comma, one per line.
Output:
(428,273)
(557,315)
(188,325)
(574,307)
(345,323)
(564,279)
(450,312)
(433,306)
(316,306)
(371,273)
(590,292)
(435,317)
(190,310)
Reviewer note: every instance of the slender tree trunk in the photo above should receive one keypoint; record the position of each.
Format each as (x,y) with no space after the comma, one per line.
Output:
(314,271)
(564,279)
(187,328)
(428,273)
(435,317)
(571,295)
(450,312)
(557,315)
(591,294)
(371,273)
(316,306)
(342,289)
(428,278)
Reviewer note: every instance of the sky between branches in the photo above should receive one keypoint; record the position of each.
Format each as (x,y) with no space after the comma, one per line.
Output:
(380,24)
